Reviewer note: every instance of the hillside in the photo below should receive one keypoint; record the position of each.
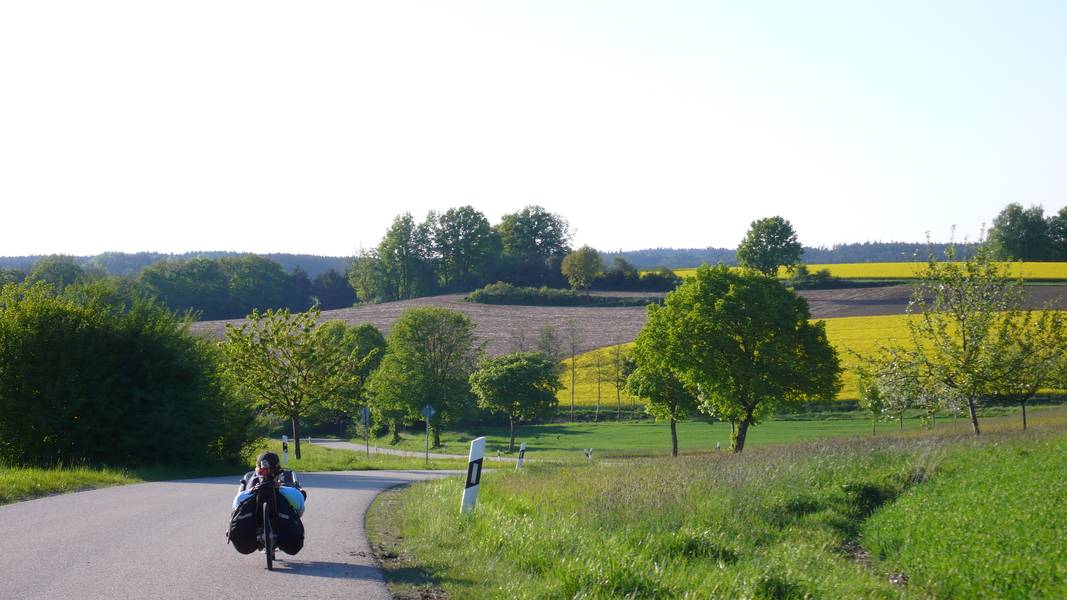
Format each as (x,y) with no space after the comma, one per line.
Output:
(501,327)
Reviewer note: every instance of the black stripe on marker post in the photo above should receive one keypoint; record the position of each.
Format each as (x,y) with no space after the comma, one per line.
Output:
(474,473)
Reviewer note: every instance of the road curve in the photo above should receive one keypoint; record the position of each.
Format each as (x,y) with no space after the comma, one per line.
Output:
(167,540)
(341,445)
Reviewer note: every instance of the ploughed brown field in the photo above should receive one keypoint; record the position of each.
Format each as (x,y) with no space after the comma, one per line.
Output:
(505,328)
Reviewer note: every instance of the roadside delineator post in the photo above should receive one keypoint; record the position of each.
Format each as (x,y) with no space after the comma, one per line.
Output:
(522,456)
(474,475)
(365,413)
(428,412)
(285,450)
(589,454)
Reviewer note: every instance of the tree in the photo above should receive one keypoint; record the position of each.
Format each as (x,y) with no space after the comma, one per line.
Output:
(744,344)
(549,342)
(405,258)
(280,359)
(1020,234)
(1057,232)
(618,356)
(431,354)
(1038,354)
(581,267)
(467,247)
(11,276)
(654,380)
(198,285)
(57,270)
(532,239)
(769,244)
(971,339)
(870,399)
(365,344)
(332,290)
(521,386)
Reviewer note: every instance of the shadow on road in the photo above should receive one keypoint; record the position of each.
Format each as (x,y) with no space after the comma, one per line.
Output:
(330,570)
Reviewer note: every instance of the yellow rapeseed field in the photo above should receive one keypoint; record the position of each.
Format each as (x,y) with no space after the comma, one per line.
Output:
(909,270)
(848,335)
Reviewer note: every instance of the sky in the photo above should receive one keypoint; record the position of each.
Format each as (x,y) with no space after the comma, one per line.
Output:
(307,127)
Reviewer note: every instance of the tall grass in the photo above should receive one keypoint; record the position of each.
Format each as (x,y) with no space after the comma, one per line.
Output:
(910,270)
(26,483)
(770,523)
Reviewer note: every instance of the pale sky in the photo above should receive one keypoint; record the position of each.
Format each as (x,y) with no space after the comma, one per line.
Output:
(306,127)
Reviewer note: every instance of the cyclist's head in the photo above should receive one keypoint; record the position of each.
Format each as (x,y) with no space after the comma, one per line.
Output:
(268,463)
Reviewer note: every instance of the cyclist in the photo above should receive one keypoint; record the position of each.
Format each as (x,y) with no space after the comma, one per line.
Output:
(269,464)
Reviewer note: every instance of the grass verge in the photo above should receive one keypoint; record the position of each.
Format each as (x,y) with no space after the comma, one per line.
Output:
(26,483)
(775,522)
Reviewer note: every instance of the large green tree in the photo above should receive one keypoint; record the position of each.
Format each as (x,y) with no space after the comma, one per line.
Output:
(57,270)
(534,242)
(282,362)
(467,248)
(745,344)
(521,386)
(365,345)
(332,290)
(431,354)
(1057,232)
(769,244)
(581,267)
(1020,233)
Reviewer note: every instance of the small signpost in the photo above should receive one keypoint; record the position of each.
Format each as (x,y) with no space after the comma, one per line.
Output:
(365,413)
(522,456)
(589,454)
(285,450)
(428,412)
(474,475)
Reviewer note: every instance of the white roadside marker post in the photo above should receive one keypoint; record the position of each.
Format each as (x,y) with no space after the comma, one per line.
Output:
(522,456)
(285,450)
(589,454)
(474,475)
(365,413)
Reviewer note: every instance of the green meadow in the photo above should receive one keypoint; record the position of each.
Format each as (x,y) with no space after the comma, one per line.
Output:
(923,514)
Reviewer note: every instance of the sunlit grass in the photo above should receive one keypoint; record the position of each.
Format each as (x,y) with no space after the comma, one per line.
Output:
(26,483)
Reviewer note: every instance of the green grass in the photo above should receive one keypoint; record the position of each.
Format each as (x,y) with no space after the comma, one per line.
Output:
(25,483)
(991,524)
(775,522)
(565,441)
(315,458)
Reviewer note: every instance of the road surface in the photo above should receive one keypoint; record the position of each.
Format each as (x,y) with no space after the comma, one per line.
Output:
(168,540)
(340,445)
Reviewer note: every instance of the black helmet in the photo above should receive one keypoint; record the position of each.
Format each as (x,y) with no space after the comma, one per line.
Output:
(268,461)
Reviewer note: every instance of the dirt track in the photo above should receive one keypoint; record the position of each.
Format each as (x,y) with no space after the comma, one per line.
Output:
(507,328)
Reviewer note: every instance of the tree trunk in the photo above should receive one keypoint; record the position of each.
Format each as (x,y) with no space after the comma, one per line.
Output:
(900,419)
(874,426)
(436,430)
(394,428)
(296,434)
(674,437)
(974,415)
(511,443)
(618,402)
(739,435)
(1023,403)
(574,367)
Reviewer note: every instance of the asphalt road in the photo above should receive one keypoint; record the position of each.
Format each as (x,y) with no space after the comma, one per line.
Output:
(340,445)
(168,540)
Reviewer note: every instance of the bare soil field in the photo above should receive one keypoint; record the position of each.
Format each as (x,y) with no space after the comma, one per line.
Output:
(506,329)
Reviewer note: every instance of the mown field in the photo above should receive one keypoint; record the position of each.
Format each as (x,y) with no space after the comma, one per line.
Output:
(919,515)
(1048,271)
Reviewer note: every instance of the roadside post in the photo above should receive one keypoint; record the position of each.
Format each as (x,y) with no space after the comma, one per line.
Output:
(428,412)
(285,451)
(474,475)
(522,456)
(365,413)
(589,454)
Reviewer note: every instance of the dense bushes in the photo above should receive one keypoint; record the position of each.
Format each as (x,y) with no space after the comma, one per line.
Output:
(100,376)
(505,293)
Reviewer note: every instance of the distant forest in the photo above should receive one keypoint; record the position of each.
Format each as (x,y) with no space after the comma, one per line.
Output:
(126,264)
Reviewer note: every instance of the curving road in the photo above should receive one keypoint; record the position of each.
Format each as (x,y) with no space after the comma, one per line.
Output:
(167,540)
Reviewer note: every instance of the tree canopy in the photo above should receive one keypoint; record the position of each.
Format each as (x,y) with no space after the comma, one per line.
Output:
(581,267)
(744,344)
(769,244)
(521,386)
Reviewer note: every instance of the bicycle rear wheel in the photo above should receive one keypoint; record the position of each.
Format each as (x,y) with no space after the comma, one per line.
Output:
(268,536)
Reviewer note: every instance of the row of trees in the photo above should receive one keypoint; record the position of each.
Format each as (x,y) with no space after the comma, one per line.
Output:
(224,288)
(971,341)
(459,250)
(1027,234)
